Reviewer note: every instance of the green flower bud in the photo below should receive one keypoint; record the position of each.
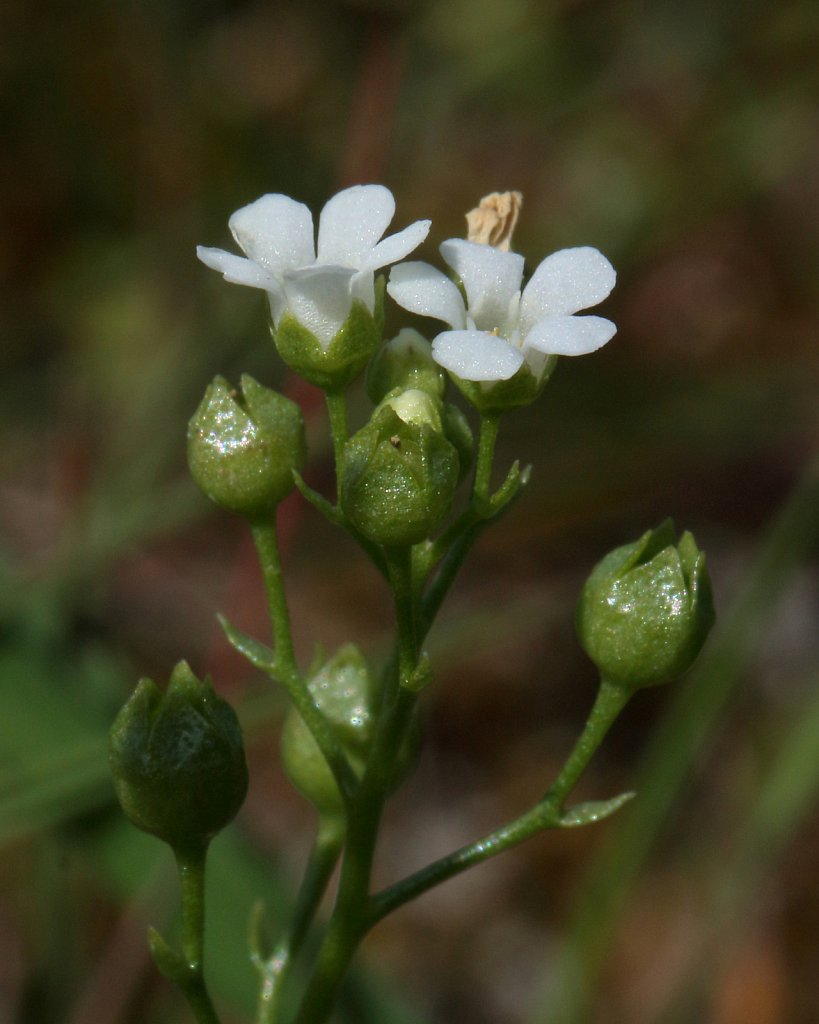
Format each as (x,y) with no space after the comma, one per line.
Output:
(399,472)
(331,366)
(345,692)
(178,760)
(646,609)
(405,362)
(243,448)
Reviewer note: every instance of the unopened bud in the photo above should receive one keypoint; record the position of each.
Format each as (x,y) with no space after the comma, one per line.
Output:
(178,760)
(646,609)
(399,472)
(243,448)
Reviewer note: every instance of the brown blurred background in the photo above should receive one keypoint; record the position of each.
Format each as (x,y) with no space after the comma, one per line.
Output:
(682,139)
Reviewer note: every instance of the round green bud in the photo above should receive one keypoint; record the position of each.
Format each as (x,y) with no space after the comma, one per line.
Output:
(399,472)
(178,760)
(646,609)
(405,362)
(345,692)
(243,447)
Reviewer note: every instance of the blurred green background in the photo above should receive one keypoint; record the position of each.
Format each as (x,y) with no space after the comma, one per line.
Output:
(682,139)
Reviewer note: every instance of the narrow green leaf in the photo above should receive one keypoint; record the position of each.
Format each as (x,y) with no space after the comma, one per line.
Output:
(593,811)
(169,962)
(257,653)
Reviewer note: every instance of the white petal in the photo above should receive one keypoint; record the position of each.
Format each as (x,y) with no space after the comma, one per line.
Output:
(565,282)
(362,286)
(352,222)
(235,269)
(570,335)
(276,232)
(422,289)
(476,355)
(397,246)
(491,279)
(319,298)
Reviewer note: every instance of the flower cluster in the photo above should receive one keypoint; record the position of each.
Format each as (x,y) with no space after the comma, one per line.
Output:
(351,733)
(499,330)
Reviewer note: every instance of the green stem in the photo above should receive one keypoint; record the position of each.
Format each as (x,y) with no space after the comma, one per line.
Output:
(265,537)
(285,669)
(399,571)
(487,437)
(191,865)
(337,411)
(351,915)
(447,572)
(277,968)
(457,541)
(545,814)
(610,701)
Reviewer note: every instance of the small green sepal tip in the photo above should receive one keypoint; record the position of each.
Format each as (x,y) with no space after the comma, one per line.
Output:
(244,446)
(399,472)
(178,760)
(646,609)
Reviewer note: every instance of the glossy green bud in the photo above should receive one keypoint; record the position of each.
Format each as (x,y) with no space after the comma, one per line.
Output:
(646,609)
(405,362)
(243,448)
(399,472)
(331,366)
(178,760)
(345,692)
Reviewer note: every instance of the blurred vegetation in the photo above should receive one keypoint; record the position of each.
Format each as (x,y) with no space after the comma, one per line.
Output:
(682,139)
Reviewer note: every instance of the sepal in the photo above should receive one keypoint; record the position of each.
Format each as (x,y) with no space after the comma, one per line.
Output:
(333,366)
(521,389)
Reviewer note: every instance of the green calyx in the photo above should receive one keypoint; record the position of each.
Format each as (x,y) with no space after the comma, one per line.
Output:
(498,396)
(646,609)
(344,690)
(243,447)
(399,472)
(333,366)
(178,760)
(405,362)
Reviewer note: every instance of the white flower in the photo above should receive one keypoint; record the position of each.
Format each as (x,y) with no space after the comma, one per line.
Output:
(317,284)
(500,328)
